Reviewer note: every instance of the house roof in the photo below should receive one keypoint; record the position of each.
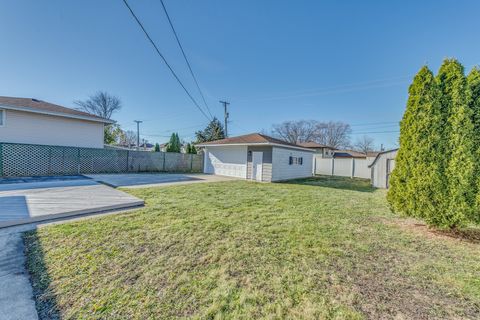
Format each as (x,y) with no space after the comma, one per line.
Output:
(251,139)
(354,154)
(348,154)
(379,154)
(42,107)
(312,144)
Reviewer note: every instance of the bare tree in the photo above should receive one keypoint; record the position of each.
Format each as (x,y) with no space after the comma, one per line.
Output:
(129,138)
(296,131)
(364,144)
(101,104)
(333,134)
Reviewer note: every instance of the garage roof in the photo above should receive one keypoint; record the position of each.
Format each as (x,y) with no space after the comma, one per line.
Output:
(42,107)
(252,139)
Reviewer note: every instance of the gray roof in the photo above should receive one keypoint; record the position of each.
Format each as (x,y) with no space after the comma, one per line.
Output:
(42,107)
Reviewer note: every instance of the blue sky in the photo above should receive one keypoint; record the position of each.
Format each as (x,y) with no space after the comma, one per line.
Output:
(346,61)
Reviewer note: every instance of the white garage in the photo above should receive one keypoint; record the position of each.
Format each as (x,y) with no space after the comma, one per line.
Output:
(257,157)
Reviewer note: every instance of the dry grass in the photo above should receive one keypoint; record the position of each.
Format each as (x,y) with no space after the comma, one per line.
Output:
(317,248)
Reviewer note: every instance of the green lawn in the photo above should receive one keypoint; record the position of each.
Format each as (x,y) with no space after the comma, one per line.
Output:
(315,248)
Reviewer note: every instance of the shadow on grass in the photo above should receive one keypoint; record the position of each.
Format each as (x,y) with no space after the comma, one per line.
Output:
(45,300)
(354,184)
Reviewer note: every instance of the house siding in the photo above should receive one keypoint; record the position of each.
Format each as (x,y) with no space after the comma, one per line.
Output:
(33,128)
(266,165)
(282,170)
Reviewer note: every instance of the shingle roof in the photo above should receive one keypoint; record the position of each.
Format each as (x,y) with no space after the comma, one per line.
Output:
(312,144)
(38,106)
(252,138)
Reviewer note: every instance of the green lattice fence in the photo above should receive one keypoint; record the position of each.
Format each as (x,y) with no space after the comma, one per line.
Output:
(42,160)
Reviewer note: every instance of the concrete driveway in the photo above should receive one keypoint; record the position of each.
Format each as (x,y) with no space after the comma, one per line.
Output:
(144,180)
(30,200)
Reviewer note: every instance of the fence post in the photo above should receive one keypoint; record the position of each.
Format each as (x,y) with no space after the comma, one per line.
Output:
(128,158)
(191,162)
(78,160)
(353,168)
(164,159)
(1,159)
(333,166)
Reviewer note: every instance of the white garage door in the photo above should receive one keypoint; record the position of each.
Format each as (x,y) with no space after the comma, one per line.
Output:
(226,161)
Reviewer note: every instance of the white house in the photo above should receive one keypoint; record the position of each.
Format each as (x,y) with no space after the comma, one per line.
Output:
(32,121)
(257,157)
(382,167)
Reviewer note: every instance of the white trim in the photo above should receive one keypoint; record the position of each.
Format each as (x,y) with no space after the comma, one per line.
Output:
(255,144)
(58,114)
(3,117)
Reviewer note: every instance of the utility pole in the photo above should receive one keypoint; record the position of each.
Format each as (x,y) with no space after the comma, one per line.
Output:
(225,115)
(138,133)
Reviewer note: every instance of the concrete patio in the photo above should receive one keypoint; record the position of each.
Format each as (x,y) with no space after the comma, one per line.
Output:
(25,202)
(144,180)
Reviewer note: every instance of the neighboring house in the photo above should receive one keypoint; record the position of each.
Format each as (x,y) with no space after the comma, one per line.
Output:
(382,167)
(147,146)
(257,157)
(324,150)
(163,147)
(32,121)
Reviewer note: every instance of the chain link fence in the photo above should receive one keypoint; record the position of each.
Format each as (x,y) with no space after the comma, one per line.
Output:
(42,160)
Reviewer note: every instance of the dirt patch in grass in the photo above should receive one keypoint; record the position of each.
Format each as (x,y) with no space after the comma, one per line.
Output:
(468,234)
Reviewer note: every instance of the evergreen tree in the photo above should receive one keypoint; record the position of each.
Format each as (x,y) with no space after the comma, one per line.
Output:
(473,80)
(157,147)
(416,183)
(459,151)
(174,144)
(214,131)
(191,149)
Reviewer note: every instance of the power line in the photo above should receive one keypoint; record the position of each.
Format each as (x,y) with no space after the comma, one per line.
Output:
(373,124)
(391,131)
(185,56)
(164,60)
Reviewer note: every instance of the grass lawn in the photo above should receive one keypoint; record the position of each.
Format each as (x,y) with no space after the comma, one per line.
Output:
(316,248)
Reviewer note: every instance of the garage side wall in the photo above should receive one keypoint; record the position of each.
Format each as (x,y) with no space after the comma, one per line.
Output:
(228,161)
(266,165)
(283,170)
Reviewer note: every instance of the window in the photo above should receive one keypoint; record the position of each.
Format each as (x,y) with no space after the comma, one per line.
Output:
(295,160)
(2,117)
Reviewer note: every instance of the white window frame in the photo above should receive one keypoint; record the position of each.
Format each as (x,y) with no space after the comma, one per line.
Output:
(3,116)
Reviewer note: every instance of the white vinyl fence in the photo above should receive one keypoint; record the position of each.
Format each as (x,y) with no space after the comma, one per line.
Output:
(344,167)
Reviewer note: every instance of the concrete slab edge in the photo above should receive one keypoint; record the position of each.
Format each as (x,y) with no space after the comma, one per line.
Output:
(138,203)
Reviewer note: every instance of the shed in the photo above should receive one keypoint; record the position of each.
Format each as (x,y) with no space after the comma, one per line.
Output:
(382,167)
(257,157)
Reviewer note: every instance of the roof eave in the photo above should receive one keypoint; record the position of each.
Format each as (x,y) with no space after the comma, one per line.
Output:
(57,114)
(254,144)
